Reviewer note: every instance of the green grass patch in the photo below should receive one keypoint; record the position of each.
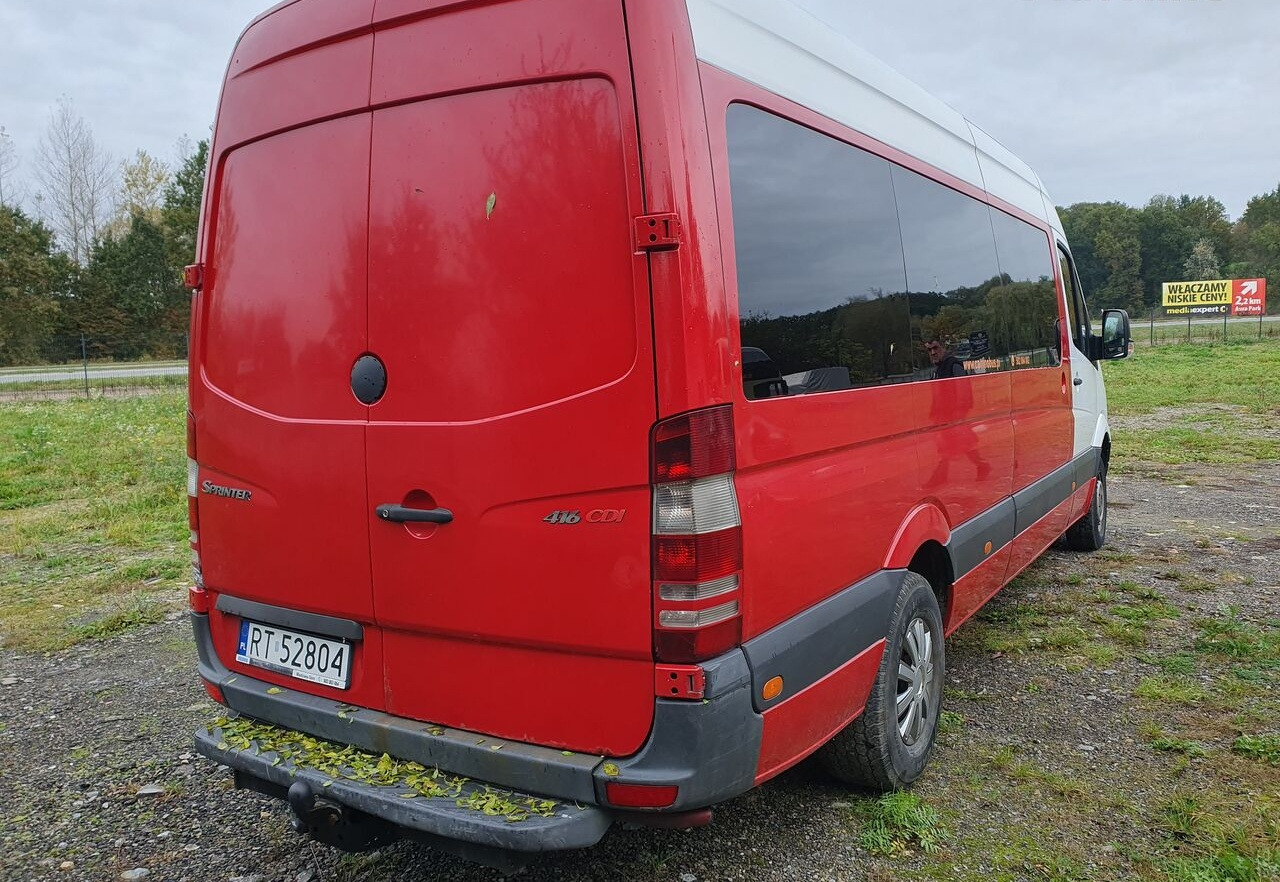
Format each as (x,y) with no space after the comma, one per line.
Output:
(1171,690)
(950,722)
(1100,654)
(1218,847)
(92,517)
(1177,445)
(1260,747)
(1126,633)
(1233,638)
(1145,612)
(1218,404)
(1185,746)
(1179,663)
(136,609)
(898,823)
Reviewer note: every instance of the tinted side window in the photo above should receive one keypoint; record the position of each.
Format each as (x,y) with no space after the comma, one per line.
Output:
(951,269)
(1025,304)
(821,286)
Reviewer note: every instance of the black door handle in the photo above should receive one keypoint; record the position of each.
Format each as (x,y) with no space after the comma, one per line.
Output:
(398,514)
(1078,381)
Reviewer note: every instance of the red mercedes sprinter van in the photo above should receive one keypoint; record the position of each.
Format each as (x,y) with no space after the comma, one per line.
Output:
(612,402)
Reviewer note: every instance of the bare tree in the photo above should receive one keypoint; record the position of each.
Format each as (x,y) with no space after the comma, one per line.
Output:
(182,150)
(78,181)
(9,161)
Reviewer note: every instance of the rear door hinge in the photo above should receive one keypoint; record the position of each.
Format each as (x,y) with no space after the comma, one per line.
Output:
(679,681)
(193,276)
(658,232)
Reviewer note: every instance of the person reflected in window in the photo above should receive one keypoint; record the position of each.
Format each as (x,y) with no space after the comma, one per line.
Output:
(945,363)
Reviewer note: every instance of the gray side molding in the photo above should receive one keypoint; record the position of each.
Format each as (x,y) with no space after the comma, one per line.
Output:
(968,541)
(809,646)
(1088,465)
(1043,496)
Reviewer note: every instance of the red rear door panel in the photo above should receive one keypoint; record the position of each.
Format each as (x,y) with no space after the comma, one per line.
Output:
(284,317)
(511,310)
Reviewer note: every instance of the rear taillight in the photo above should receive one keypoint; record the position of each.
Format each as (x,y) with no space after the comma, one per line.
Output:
(697,538)
(193,518)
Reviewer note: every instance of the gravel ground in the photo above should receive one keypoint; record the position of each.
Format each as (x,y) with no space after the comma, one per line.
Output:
(98,778)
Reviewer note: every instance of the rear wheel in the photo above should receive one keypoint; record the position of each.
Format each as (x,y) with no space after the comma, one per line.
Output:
(1090,532)
(889,745)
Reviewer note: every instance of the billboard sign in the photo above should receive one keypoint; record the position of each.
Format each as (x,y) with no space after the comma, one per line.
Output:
(1249,297)
(1216,297)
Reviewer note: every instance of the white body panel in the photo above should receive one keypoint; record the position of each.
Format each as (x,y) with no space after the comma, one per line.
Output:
(1088,403)
(785,50)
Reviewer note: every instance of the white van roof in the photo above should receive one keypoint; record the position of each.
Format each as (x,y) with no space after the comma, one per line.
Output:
(786,50)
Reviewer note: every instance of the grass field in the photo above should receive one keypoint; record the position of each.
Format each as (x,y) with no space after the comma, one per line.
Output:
(1184,404)
(1244,374)
(92,516)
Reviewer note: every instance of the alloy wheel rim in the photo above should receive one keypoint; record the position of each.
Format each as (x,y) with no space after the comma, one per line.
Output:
(915,704)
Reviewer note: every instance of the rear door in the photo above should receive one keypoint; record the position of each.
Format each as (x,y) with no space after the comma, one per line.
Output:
(510,308)
(284,317)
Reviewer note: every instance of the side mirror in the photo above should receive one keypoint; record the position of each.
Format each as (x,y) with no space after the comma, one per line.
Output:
(1116,337)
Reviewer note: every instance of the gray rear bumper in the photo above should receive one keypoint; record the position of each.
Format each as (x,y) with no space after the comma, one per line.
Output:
(569,826)
(709,748)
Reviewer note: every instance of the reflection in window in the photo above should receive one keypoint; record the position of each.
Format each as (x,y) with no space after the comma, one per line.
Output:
(821,285)
(1026,301)
(848,265)
(1077,312)
(951,269)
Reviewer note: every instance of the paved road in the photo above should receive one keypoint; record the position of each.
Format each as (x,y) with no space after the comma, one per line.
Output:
(114,372)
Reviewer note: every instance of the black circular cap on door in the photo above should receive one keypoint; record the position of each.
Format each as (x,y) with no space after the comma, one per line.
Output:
(368,379)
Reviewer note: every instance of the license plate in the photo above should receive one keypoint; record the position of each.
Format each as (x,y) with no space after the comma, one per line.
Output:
(304,656)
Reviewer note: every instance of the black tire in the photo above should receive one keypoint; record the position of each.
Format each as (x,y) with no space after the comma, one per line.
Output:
(872,751)
(1090,532)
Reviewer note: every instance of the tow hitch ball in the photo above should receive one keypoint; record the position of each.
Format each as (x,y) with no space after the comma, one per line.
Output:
(307,815)
(335,825)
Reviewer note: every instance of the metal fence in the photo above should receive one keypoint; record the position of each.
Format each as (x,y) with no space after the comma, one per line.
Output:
(88,366)
(1155,329)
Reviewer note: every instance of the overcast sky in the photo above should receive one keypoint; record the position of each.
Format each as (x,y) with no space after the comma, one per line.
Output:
(1106,99)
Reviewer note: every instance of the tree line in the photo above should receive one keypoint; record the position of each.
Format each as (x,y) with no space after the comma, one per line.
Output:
(96,258)
(1125,254)
(99,255)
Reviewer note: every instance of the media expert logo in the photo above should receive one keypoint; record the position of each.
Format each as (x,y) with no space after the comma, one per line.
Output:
(1217,297)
